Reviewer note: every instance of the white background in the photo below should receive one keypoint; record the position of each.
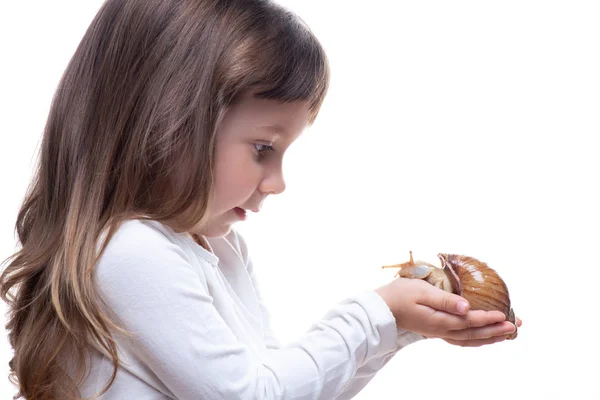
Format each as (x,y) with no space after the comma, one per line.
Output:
(450,126)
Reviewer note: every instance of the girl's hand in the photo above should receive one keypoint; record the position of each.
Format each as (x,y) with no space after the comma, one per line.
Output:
(480,342)
(422,308)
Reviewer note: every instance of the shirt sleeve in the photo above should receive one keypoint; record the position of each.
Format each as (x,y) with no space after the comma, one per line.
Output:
(362,373)
(154,292)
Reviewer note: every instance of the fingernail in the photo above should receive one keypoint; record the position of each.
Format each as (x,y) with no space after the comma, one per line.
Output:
(462,306)
(509,331)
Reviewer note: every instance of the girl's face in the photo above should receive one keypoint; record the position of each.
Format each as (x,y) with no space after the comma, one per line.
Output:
(251,142)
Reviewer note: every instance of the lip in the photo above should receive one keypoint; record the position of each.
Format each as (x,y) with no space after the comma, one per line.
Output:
(240,213)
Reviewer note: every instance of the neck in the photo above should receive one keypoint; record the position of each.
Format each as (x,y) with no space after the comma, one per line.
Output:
(201,240)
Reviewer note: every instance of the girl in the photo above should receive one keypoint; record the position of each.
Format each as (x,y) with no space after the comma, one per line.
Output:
(169,125)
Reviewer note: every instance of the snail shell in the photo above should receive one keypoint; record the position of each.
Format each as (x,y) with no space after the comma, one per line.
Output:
(479,284)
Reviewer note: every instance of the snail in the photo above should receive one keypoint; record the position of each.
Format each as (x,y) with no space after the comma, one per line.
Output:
(465,276)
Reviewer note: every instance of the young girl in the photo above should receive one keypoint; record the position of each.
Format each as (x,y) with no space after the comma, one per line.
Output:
(169,125)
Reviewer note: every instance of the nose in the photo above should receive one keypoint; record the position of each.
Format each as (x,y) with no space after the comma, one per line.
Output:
(273,182)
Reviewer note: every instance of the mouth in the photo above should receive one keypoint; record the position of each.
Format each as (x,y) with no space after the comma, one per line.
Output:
(240,212)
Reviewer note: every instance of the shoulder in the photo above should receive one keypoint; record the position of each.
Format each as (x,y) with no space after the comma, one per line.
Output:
(140,237)
(141,248)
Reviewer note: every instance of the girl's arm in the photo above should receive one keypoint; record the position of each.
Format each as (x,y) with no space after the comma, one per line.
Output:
(362,373)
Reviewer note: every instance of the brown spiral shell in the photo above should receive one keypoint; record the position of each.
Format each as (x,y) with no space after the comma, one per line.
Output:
(479,284)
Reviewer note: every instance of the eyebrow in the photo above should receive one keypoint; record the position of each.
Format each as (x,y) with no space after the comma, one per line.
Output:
(275,128)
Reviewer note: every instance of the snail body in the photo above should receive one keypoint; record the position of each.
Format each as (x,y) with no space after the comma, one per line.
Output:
(465,276)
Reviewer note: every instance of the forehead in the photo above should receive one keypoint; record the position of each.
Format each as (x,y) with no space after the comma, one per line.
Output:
(251,115)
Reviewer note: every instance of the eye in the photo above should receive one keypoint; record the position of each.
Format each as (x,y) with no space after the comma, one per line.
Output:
(262,148)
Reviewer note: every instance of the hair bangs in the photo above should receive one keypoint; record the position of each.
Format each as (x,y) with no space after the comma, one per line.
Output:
(295,68)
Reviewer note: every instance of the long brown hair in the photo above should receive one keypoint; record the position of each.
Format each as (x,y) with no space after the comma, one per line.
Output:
(131,134)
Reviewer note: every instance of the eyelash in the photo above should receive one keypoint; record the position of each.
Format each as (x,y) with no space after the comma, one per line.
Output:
(266,148)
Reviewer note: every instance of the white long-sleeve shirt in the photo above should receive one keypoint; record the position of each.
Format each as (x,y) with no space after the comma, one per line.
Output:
(201,330)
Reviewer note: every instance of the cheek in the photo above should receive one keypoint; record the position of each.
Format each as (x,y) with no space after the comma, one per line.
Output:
(236,175)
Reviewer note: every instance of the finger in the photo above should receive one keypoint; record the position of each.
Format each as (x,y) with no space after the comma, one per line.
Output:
(441,300)
(501,329)
(444,322)
(519,322)
(480,318)
(476,343)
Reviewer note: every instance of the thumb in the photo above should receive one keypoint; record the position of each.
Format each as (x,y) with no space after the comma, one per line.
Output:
(445,301)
